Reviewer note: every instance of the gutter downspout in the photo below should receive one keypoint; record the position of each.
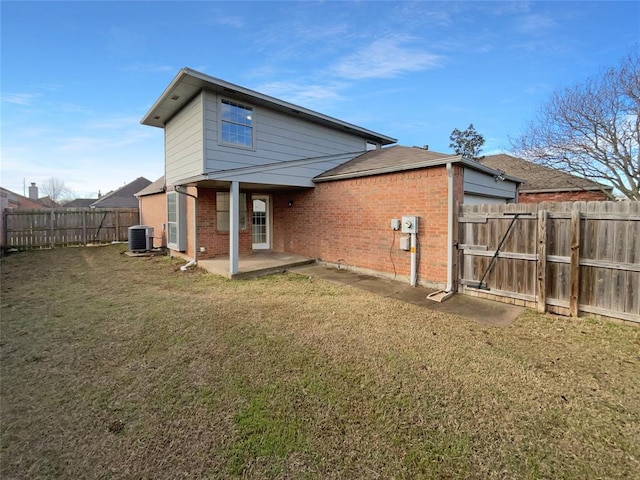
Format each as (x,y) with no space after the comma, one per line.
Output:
(193,262)
(442,295)
(449,287)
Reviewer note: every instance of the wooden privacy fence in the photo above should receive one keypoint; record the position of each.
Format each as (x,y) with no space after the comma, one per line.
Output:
(48,228)
(566,258)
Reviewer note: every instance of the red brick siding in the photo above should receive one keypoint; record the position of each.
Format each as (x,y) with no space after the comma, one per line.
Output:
(582,195)
(349,221)
(153,212)
(215,242)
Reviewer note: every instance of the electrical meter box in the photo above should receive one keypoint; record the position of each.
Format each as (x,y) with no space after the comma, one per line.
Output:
(409,224)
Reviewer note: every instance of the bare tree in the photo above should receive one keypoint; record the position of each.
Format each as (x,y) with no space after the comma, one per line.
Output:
(592,129)
(56,190)
(468,143)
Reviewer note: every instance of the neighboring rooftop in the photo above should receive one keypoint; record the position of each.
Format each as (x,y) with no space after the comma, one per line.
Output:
(155,187)
(80,203)
(538,178)
(124,197)
(188,83)
(15,200)
(395,159)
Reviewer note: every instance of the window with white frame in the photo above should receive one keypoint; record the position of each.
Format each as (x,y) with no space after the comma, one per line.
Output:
(176,221)
(236,124)
(223,202)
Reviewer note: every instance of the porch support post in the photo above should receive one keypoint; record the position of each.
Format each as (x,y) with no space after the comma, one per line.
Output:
(234,227)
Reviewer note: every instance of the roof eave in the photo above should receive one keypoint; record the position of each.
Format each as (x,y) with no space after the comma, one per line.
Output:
(390,169)
(417,165)
(467,162)
(566,189)
(154,119)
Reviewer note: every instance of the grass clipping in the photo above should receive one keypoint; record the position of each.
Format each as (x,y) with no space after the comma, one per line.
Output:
(119,367)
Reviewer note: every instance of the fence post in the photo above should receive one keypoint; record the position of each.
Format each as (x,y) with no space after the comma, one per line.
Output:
(574,267)
(542,262)
(117,239)
(84,228)
(52,239)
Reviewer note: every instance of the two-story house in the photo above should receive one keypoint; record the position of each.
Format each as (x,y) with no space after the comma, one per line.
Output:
(245,171)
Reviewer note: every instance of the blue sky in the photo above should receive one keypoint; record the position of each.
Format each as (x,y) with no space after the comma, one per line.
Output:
(77,77)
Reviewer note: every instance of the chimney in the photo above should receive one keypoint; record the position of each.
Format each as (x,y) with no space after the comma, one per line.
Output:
(33,191)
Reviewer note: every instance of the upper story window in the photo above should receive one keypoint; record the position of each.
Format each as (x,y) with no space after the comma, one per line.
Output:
(236,124)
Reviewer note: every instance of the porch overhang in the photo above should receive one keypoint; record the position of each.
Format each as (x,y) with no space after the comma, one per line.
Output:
(202,181)
(235,189)
(274,175)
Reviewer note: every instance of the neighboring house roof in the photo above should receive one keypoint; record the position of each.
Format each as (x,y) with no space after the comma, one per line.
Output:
(15,200)
(396,159)
(80,203)
(188,83)
(124,197)
(155,187)
(538,178)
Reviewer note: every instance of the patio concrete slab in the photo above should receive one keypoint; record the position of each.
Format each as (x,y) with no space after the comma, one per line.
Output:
(480,310)
(255,264)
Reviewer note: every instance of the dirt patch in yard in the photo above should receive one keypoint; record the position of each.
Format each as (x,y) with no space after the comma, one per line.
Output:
(121,367)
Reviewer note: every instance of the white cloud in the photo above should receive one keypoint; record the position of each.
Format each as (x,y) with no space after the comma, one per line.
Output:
(114,123)
(231,21)
(148,67)
(535,24)
(307,95)
(220,17)
(385,58)
(24,99)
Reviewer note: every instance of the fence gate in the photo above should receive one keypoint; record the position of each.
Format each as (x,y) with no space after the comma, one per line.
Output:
(566,258)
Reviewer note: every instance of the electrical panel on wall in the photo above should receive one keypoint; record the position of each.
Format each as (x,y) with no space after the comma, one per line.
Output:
(409,224)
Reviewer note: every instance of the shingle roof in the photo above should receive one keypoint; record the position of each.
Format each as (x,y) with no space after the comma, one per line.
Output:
(539,178)
(80,203)
(396,159)
(124,197)
(21,201)
(156,187)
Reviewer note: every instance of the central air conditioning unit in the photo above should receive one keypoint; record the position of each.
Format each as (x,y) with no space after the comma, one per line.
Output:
(140,238)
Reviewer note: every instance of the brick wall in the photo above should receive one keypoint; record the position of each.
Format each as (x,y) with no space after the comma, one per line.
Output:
(345,221)
(348,221)
(216,242)
(582,195)
(153,212)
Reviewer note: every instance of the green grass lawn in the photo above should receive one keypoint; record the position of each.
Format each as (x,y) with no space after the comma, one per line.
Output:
(119,367)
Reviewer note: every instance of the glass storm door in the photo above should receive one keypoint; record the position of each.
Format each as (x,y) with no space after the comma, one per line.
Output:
(260,227)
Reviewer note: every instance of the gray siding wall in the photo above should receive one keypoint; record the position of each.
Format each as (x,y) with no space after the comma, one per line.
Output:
(184,140)
(295,174)
(278,138)
(480,183)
